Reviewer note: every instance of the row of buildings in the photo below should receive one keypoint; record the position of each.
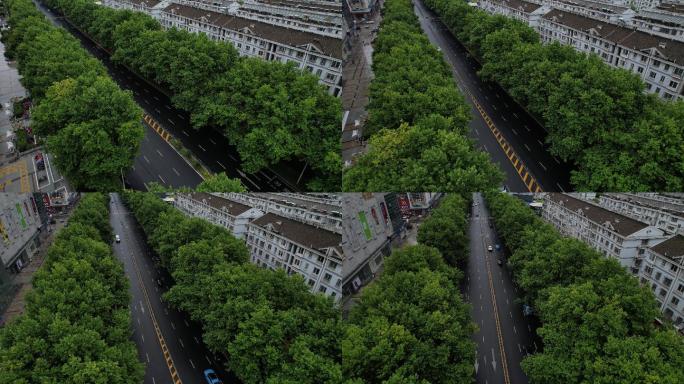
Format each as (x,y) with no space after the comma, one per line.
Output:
(648,42)
(336,242)
(644,232)
(308,33)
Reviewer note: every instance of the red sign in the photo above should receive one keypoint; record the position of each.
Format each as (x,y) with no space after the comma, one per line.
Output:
(404,205)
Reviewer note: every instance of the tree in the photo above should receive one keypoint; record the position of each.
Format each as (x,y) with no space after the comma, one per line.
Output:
(426,156)
(445,229)
(220,182)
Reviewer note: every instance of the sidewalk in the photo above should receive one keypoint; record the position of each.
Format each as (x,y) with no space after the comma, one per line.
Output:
(24,280)
(358,75)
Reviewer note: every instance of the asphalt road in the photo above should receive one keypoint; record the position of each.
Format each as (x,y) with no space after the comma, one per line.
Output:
(208,145)
(489,288)
(181,336)
(517,127)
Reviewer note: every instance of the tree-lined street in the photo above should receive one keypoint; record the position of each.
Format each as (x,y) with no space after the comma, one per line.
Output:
(518,129)
(159,158)
(187,354)
(505,335)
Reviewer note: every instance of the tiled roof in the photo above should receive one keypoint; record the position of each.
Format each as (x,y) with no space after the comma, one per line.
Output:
(147,3)
(304,234)
(292,37)
(621,224)
(672,50)
(525,6)
(672,247)
(220,203)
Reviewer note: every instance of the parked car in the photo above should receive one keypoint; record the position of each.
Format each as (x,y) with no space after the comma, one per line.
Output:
(211,377)
(489,248)
(499,261)
(118,239)
(498,247)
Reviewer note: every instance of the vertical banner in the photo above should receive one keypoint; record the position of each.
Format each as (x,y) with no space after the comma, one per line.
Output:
(365,225)
(21,215)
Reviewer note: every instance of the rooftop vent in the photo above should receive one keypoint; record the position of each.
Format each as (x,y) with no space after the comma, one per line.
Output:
(662,45)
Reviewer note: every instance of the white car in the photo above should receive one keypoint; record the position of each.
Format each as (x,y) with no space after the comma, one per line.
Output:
(118,239)
(489,248)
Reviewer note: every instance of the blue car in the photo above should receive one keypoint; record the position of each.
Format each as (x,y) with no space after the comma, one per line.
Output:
(211,377)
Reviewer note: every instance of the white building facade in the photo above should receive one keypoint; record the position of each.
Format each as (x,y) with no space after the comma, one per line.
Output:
(311,46)
(20,226)
(661,268)
(667,220)
(274,241)
(612,234)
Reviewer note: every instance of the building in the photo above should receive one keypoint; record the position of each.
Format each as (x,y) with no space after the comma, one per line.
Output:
(289,31)
(368,231)
(654,53)
(314,253)
(663,20)
(231,215)
(525,11)
(20,226)
(644,209)
(612,234)
(658,61)
(661,269)
(278,234)
(320,210)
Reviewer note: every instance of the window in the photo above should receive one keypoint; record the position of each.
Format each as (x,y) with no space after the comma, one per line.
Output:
(662,292)
(662,78)
(656,63)
(640,69)
(674,301)
(680,288)
(321,259)
(316,271)
(658,275)
(652,75)
(678,71)
(332,264)
(667,281)
(327,277)
(673,84)
(311,282)
(321,289)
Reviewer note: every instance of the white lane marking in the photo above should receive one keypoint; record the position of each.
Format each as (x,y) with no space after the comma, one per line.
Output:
(156,98)
(527,128)
(147,356)
(142,309)
(171,121)
(177,174)
(516,116)
(168,107)
(494,106)
(542,165)
(248,179)
(486,97)
(559,187)
(157,109)
(504,119)
(162,179)
(181,343)
(212,141)
(222,166)
(528,148)
(143,337)
(515,330)
(186,134)
(540,143)
(201,147)
(191,363)
(173,326)
(556,159)
(196,341)
(179,115)
(137,318)
(514,131)
(160,154)
(206,357)
(485,148)
(232,158)
(146,101)
(519,349)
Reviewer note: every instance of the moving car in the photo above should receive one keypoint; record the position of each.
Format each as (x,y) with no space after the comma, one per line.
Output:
(118,239)
(211,377)
(499,261)
(489,248)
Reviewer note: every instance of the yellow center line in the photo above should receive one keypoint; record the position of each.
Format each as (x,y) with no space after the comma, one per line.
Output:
(162,343)
(533,185)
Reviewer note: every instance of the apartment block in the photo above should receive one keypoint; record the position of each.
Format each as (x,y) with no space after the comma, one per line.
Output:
(310,46)
(278,234)
(660,268)
(644,209)
(612,234)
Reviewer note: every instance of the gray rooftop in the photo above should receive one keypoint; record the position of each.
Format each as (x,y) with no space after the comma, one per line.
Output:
(672,247)
(304,234)
(525,6)
(292,37)
(621,224)
(220,203)
(672,50)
